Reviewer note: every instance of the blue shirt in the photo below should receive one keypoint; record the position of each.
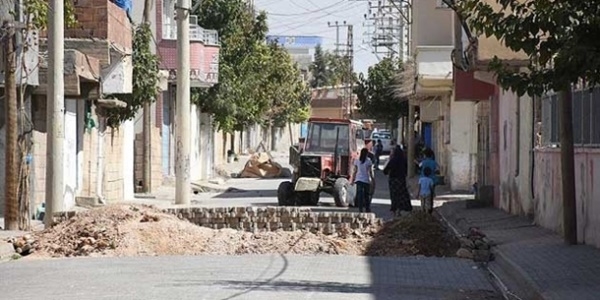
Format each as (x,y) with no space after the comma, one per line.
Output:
(431,164)
(425,185)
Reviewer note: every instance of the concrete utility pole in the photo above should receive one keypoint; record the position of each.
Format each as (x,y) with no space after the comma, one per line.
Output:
(390,21)
(410,132)
(182,125)
(350,57)
(147,120)
(11,178)
(55,111)
(337,35)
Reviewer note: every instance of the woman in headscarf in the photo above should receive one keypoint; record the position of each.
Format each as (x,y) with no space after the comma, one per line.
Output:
(396,169)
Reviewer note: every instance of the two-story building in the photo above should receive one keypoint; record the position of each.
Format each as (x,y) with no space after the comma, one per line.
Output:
(204,70)
(517,138)
(447,121)
(98,160)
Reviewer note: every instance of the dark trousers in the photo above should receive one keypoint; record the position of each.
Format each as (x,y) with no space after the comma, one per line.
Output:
(363,196)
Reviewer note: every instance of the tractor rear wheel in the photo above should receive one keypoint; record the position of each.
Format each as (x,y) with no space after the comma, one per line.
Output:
(308,198)
(341,192)
(285,194)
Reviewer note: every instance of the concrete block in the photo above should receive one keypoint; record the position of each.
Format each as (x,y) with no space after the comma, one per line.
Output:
(6,250)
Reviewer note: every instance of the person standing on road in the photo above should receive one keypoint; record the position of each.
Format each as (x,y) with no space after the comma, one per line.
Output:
(396,169)
(429,163)
(425,190)
(364,178)
(378,153)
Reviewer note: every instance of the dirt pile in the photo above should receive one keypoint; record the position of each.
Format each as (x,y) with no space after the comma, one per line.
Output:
(133,231)
(417,234)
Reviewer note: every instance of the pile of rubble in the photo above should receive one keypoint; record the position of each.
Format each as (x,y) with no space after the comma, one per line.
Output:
(124,230)
(262,165)
(475,246)
(416,234)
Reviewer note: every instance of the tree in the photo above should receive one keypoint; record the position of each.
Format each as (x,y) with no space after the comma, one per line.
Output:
(561,39)
(256,80)
(145,78)
(329,69)
(288,95)
(319,69)
(376,97)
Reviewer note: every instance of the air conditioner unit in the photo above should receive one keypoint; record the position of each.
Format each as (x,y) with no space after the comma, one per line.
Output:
(193,20)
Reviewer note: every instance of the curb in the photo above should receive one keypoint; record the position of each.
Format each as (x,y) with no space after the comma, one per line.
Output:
(517,277)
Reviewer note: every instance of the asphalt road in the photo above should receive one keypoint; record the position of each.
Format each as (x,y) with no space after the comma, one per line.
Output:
(245,277)
(263,192)
(262,277)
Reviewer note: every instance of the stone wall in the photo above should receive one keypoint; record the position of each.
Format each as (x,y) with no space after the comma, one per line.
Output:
(274,218)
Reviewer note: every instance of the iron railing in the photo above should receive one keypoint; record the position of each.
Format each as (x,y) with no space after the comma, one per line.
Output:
(197,34)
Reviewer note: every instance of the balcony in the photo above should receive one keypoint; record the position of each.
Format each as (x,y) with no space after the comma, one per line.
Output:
(208,37)
(434,69)
(204,54)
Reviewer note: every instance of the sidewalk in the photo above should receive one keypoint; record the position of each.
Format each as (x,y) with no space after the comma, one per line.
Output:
(533,262)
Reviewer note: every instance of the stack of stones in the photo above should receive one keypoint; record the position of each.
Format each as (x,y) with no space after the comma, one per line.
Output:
(256,219)
(475,246)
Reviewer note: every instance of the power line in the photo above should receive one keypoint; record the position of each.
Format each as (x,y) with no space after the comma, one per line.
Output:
(308,12)
(294,19)
(307,22)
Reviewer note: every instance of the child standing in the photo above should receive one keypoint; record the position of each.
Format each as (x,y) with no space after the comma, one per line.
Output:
(425,192)
(364,178)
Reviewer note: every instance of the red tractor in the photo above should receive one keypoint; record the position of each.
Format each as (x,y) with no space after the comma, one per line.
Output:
(323,163)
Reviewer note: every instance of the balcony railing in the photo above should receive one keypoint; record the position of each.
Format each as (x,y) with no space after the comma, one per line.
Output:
(197,34)
(434,62)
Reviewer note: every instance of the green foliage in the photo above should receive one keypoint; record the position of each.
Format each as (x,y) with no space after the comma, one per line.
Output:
(289,96)
(376,91)
(38,10)
(258,83)
(329,69)
(560,38)
(145,78)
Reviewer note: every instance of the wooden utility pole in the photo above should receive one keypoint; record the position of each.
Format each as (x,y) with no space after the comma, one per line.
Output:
(147,121)
(567,156)
(11,178)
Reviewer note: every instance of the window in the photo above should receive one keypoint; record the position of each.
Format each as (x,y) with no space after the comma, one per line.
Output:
(381,136)
(586,118)
(441,4)
(169,28)
(322,137)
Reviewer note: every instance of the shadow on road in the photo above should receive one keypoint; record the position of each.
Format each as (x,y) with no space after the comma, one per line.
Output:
(237,193)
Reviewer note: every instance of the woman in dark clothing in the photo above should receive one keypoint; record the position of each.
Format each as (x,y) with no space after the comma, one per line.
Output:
(396,171)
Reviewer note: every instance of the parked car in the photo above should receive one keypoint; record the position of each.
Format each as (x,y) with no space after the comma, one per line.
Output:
(386,140)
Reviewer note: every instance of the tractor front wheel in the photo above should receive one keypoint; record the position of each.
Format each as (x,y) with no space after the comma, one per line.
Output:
(285,194)
(341,192)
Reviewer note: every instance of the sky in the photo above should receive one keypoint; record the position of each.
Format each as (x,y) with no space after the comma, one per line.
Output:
(310,17)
